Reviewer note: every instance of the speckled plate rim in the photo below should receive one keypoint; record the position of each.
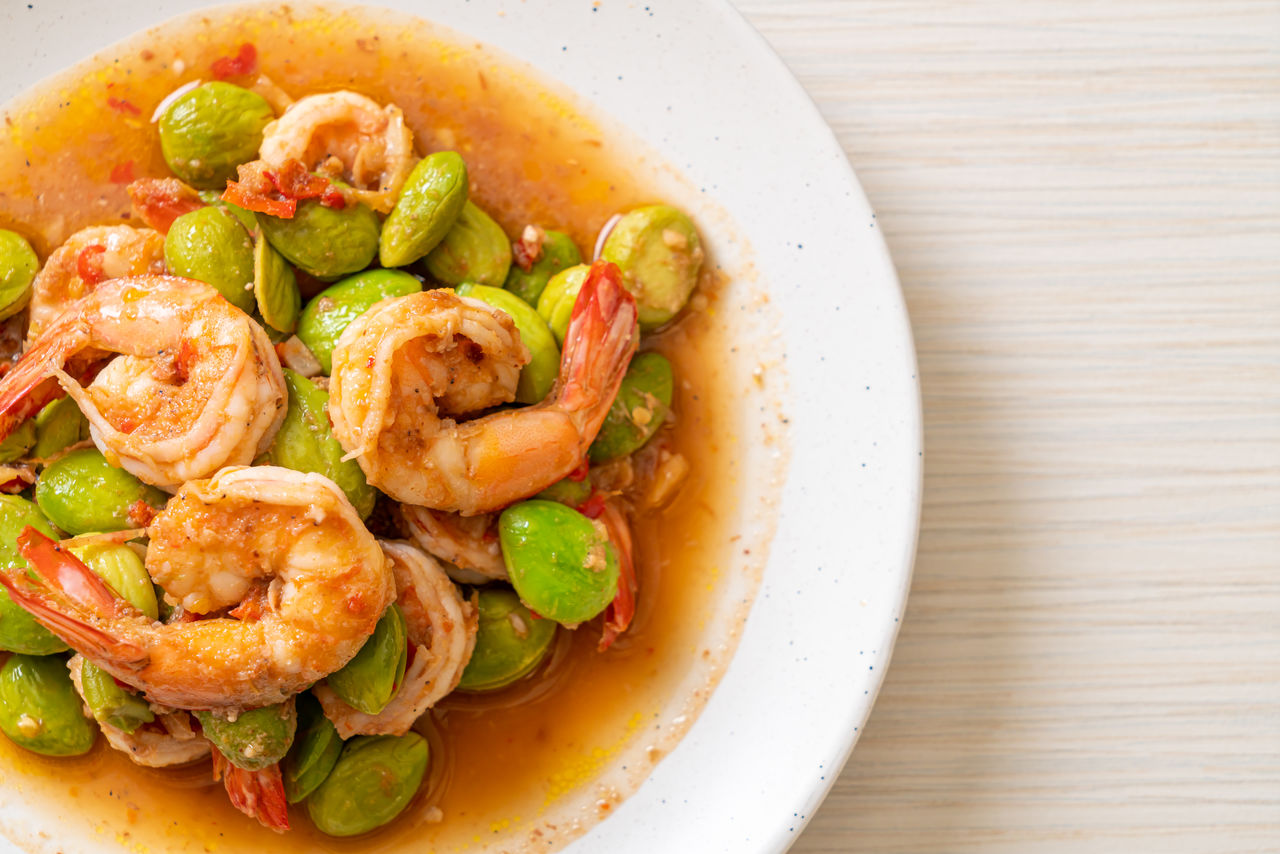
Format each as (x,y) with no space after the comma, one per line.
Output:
(726,113)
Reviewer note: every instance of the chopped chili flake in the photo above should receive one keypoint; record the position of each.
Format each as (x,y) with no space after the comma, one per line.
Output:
(89,264)
(276,190)
(579,474)
(122,106)
(293,181)
(159,201)
(237,195)
(14,479)
(184,360)
(244,62)
(252,606)
(333,198)
(140,514)
(122,173)
(593,506)
(528,249)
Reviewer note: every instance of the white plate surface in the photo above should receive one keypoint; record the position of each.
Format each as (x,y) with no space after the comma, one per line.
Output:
(696,83)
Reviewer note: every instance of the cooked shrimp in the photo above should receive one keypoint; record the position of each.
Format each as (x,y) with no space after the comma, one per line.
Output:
(169,740)
(402,369)
(88,258)
(196,386)
(287,548)
(257,794)
(619,613)
(348,136)
(442,634)
(470,543)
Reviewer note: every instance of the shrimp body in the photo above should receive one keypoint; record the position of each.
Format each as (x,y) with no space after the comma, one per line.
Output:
(88,258)
(442,630)
(170,740)
(309,583)
(196,385)
(394,394)
(348,136)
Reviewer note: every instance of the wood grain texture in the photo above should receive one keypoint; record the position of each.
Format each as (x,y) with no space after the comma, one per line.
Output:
(1083,202)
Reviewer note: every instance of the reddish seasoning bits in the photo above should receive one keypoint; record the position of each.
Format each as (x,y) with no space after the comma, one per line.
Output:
(122,173)
(122,106)
(89,264)
(244,62)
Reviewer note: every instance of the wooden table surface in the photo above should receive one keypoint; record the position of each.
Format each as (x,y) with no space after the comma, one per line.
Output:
(1083,202)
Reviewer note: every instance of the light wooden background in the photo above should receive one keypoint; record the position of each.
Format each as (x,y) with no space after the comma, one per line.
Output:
(1083,201)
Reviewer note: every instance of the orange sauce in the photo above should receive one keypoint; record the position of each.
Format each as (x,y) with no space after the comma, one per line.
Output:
(500,763)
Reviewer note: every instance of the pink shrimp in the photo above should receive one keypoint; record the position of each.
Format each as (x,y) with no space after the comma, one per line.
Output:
(394,389)
(442,634)
(287,543)
(195,384)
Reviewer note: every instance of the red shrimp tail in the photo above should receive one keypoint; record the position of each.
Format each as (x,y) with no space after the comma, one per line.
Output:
(619,613)
(68,620)
(26,389)
(65,572)
(257,794)
(68,599)
(598,346)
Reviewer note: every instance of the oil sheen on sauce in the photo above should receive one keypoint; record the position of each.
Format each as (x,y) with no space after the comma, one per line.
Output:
(500,763)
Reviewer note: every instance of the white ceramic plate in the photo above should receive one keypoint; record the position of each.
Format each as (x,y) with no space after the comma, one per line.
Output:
(697,84)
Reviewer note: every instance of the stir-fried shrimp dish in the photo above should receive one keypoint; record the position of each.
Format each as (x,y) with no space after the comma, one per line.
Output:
(312,444)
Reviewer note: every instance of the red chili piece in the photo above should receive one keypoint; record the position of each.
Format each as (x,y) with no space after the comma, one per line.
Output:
(122,173)
(159,201)
(277,191)
(527,251)
(237,195)
(122,106)
(293,181)
(89,264)
(244,62)
(140,514)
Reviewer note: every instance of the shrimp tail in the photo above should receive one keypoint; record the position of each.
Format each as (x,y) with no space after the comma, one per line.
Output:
(598,346)
(257,794)
(34,380)
(63,571)
(619,613)
(28,387)
(68,599)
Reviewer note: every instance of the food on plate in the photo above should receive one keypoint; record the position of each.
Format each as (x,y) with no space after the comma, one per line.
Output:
(474,249)
(658,250)
(539,254)
(317,443)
